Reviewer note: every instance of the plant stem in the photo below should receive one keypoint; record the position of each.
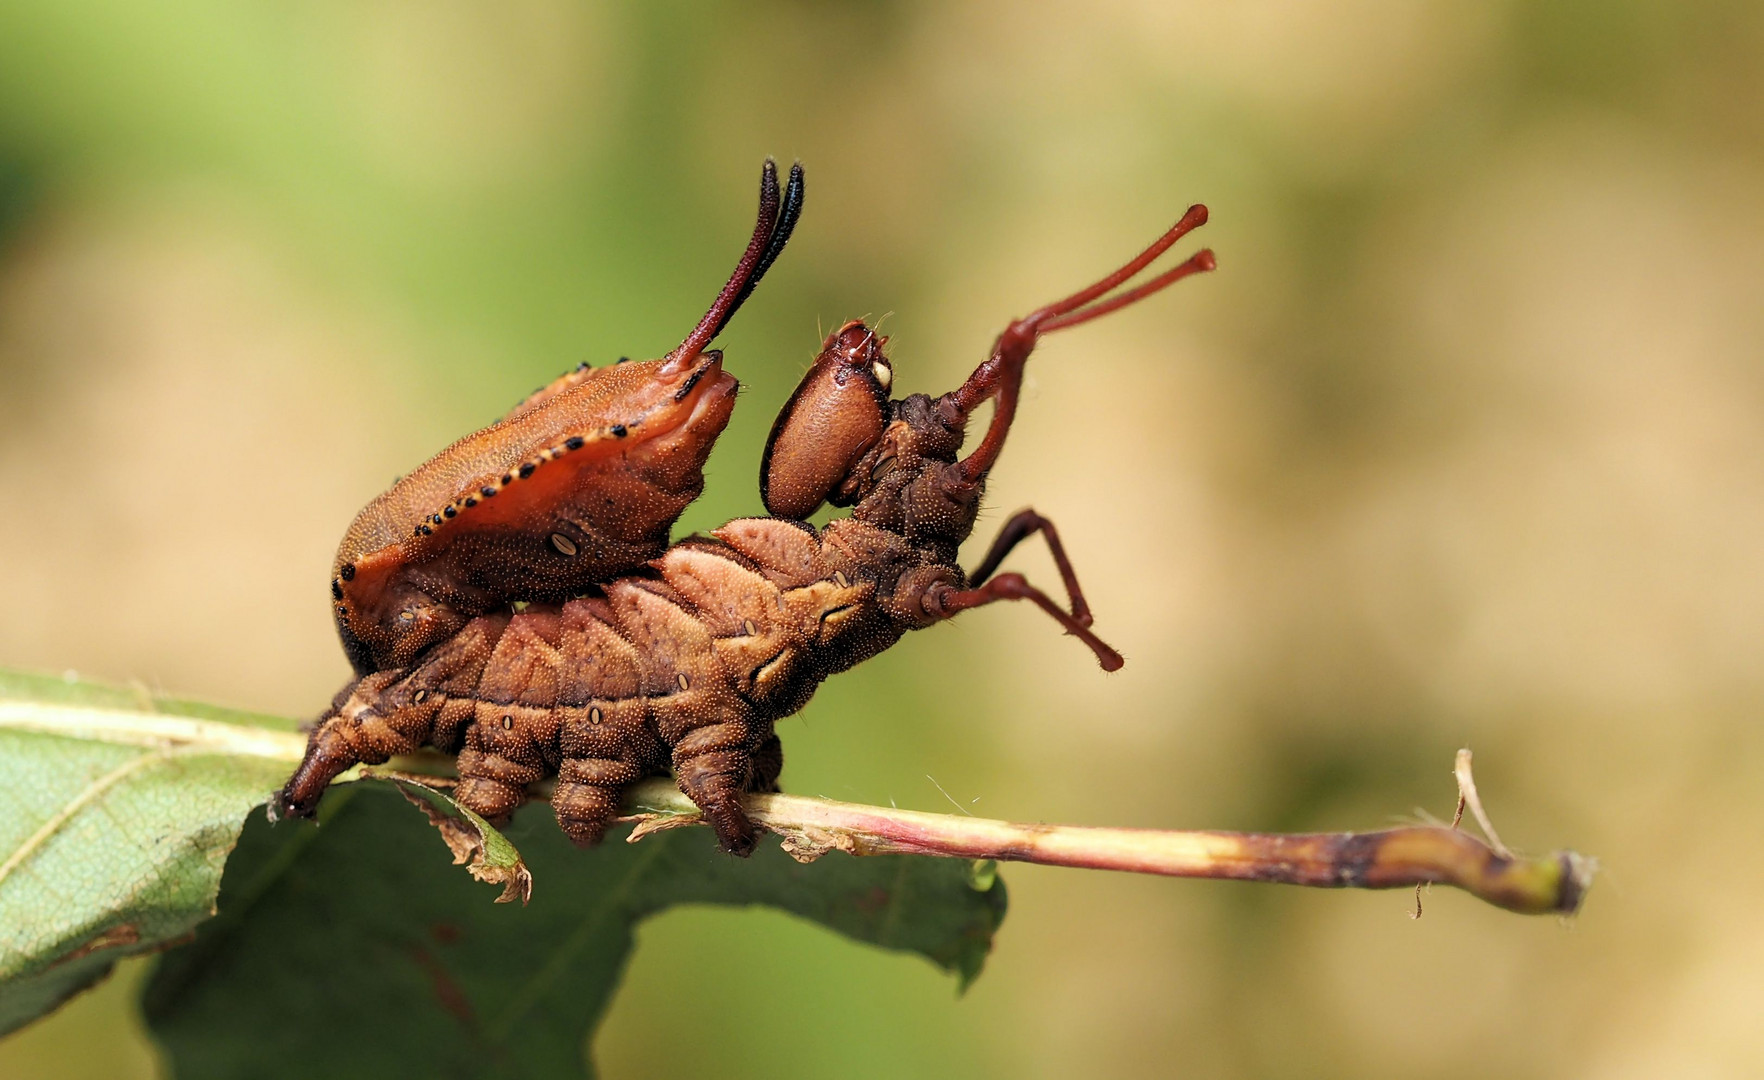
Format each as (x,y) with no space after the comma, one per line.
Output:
(1392,858)
(1389,859)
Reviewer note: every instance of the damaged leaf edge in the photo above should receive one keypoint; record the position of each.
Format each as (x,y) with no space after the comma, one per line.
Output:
(477,845)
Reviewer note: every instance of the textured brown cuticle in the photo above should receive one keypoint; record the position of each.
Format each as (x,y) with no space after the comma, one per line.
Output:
(683,661)
(606,457)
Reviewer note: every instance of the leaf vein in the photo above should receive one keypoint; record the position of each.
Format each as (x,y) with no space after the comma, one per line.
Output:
(79,802)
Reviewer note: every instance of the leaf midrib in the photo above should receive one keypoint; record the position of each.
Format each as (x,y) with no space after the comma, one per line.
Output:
(121,727)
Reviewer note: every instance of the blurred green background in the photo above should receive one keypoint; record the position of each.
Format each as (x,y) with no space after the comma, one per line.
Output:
(1462,445)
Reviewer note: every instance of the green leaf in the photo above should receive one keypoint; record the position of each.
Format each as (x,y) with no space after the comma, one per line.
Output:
(117,811)
(355,948)
(351,949)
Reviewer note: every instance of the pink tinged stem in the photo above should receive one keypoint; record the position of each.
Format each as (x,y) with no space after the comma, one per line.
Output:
(1389,859)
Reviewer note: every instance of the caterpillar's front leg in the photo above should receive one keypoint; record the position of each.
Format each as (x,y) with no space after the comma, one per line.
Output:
(713,766)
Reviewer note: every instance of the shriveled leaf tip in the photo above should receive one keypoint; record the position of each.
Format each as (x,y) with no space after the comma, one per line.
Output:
(476,844)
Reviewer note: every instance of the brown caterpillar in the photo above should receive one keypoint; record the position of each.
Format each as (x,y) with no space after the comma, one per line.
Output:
(687,665)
